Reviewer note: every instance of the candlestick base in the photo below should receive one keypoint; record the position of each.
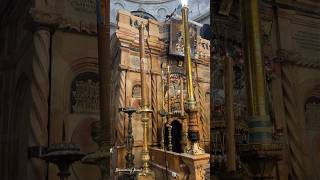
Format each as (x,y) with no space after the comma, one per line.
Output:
(146,174)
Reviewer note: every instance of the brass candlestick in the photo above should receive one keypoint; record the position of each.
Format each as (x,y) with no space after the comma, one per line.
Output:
(162,112)
(193,130)
(170,146)
(146,172)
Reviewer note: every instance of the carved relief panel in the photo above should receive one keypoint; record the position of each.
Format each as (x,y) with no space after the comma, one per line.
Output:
(84,96)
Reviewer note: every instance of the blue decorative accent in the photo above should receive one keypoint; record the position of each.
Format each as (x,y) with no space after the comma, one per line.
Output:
(260,137)
(259,124)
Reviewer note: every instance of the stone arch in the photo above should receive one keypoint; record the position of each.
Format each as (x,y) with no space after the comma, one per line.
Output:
(136,95)
(75,68)
(78,66)
(176,135)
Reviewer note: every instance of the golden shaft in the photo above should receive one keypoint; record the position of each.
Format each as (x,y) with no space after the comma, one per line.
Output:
(193,130)
(257,61)
(143,67)
(187,52)
(249,72)
(145,157)
(229,99)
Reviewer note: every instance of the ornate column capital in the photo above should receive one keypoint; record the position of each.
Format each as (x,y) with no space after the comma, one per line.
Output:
(42,18)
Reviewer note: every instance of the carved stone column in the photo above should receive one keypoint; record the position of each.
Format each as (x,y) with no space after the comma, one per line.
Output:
(154,105)
(40,94)
(122,103)
(297,161)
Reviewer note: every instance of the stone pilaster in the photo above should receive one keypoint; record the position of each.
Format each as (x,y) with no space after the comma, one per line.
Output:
(38,135)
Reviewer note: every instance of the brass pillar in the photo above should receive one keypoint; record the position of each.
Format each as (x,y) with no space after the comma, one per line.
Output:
(229,99)
(259,123)
(248,61)
(256,55)
(146,172)
(262,153)
(193,130)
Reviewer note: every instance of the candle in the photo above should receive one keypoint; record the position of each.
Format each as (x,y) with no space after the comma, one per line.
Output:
(184,2)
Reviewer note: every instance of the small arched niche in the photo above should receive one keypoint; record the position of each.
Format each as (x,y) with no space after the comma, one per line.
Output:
(136,96)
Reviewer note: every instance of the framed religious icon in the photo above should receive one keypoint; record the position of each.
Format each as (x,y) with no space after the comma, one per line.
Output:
(176,46)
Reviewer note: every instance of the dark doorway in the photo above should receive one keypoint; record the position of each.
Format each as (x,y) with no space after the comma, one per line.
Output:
(176,136)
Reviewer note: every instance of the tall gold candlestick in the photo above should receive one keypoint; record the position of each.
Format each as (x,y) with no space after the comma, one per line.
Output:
(193,130)
(146,172)
(258,62)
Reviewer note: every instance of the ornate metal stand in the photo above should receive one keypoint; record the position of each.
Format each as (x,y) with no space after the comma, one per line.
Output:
(63,155)
(163,116)
(169,126)
(146,172)
(130,139)
(129,172)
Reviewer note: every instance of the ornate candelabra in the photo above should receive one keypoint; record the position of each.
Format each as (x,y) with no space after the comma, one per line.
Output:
(129,172)
(63,155)
(146,172)
(130,140)
(193,130)
(170,146)
(163,114)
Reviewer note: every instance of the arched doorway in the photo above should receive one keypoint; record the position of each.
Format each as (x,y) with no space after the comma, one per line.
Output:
(312,114)
(176,136)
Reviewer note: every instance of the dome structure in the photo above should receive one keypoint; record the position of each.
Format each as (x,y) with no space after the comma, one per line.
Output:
(199,9)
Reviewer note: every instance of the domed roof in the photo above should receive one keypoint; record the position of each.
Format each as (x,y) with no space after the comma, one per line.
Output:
(199,9)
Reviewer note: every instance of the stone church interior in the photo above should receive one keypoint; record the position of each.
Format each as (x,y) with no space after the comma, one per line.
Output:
(159,89)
